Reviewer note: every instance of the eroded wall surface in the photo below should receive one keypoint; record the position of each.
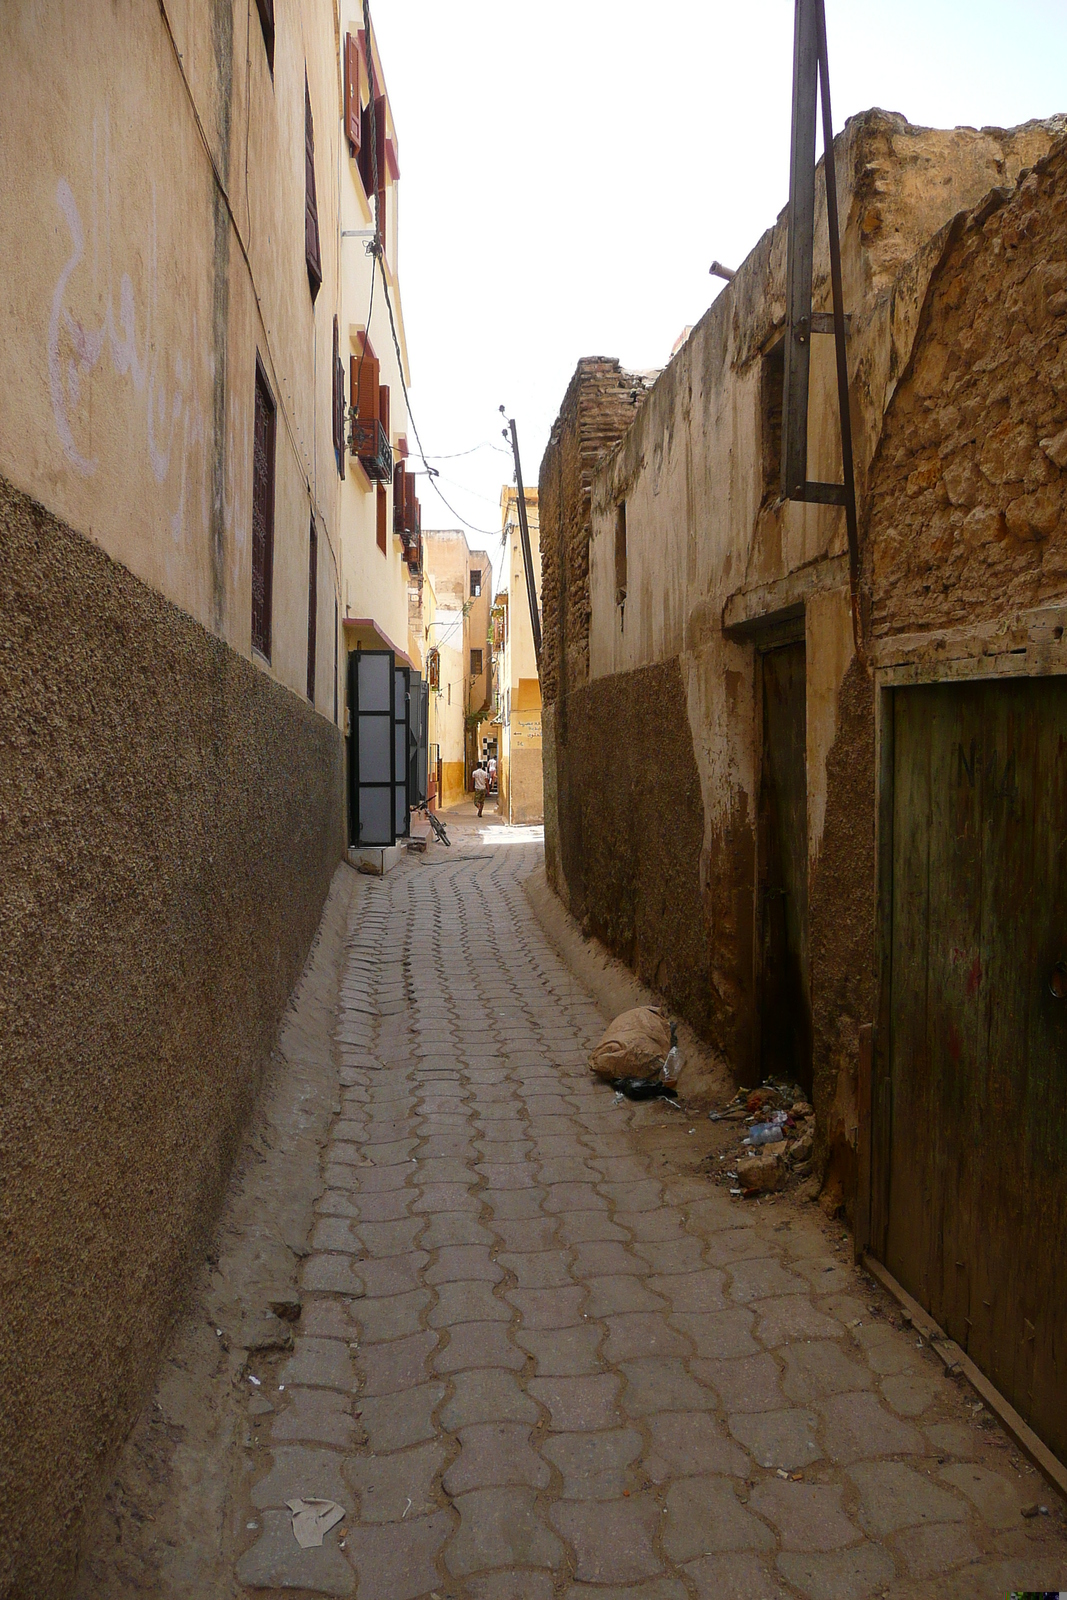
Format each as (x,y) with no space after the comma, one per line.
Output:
(173,818)
(715,562)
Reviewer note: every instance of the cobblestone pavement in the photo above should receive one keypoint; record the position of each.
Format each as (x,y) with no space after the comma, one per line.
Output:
(533,1363)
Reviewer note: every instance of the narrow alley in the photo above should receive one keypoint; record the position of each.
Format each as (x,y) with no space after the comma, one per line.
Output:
(537,1352)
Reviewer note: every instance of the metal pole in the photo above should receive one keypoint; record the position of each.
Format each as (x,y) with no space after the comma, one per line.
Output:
(799,248)
(847,463)
(527,554)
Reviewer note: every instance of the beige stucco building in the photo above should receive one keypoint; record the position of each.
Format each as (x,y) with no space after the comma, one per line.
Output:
(376,551)
(457,655)
(518,688)
(183,534)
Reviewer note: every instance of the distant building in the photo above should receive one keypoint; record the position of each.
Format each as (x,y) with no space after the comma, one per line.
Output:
(456,654)
(518,691)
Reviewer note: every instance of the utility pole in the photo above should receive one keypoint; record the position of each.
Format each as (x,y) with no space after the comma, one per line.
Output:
(811,75)
(527,553)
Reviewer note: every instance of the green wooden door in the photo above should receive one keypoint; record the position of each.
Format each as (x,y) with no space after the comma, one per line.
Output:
(976,1156)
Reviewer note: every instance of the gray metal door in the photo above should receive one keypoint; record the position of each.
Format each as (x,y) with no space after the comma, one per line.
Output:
(401,698)
(418,728)
(372,778)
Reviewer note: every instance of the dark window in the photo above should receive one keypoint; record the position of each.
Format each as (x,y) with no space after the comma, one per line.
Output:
(313,606)
(476,663)
(373,168)
(338,403)
(266,22)
(772,382)
(476,582)
(262,514)
(383,408)
(620,553)
(311,210)
(383,543)
(335,661)
(353,123)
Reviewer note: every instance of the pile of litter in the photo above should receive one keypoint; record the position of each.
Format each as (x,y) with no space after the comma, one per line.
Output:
(777,1127)
(638,1054)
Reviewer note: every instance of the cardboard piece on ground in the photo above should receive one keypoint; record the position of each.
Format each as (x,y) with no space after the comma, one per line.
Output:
(312,1519)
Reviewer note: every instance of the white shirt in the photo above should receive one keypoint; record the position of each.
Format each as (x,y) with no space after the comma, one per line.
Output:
(481,778)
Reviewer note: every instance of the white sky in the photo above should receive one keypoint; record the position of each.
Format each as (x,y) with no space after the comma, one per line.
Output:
(570,170)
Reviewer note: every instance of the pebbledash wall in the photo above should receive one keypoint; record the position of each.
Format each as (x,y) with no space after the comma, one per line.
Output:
(171,800)
(652,717)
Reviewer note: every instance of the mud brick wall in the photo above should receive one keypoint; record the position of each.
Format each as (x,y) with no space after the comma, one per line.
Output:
(171,822)
(969,485)
(596,411)
(631,831)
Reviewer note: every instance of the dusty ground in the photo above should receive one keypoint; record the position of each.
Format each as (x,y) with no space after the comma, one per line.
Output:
(539,1353)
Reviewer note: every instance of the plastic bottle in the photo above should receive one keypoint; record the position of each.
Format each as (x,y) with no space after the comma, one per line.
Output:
(671,1070)
(764,1133)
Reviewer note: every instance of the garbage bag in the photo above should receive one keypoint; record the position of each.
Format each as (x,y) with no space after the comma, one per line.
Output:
(634,1046)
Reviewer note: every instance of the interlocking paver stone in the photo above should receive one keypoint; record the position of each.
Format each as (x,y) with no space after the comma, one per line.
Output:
(539,1359)
(493,1454)
(612,1539)
(501,1528)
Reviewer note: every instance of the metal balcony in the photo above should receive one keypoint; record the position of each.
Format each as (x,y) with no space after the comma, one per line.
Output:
(370,444)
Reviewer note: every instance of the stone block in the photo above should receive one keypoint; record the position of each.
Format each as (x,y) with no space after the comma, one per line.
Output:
(399,1561)
(808,1516)
(276,1561)
(399,1485)
(494,1454)
(595,1466)
(501,1528)
(704,1517)
(613,1540)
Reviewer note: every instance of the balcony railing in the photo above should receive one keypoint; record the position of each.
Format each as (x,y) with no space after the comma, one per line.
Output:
(369,443)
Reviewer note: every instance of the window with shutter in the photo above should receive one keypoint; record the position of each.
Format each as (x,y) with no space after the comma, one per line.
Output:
(365,384)
(313,604)
(383,408)
(383,499)
(380,163)
(476,663)
(398,498)
(311,210)
(353,120)
(266,22)
(262,514)
(338,402)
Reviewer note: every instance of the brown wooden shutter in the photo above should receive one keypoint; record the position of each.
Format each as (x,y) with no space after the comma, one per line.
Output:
(383,408)
(311,210)
(382,528)
(382,173)
(338,402)
(367,396)
(353,121)
(409,499)
(398,498)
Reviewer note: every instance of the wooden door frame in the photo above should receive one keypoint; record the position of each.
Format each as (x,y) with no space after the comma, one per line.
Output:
(1026,653)
(766,635)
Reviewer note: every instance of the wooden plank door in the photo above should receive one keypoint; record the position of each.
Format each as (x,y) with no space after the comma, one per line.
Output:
(976,1180)
(785,994)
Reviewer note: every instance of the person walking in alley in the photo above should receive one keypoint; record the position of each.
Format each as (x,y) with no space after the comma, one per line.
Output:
(481,782)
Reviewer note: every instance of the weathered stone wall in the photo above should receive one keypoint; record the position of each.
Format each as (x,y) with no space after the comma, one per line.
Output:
(631,830)
(970,483)
(171,821)
(596,411)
